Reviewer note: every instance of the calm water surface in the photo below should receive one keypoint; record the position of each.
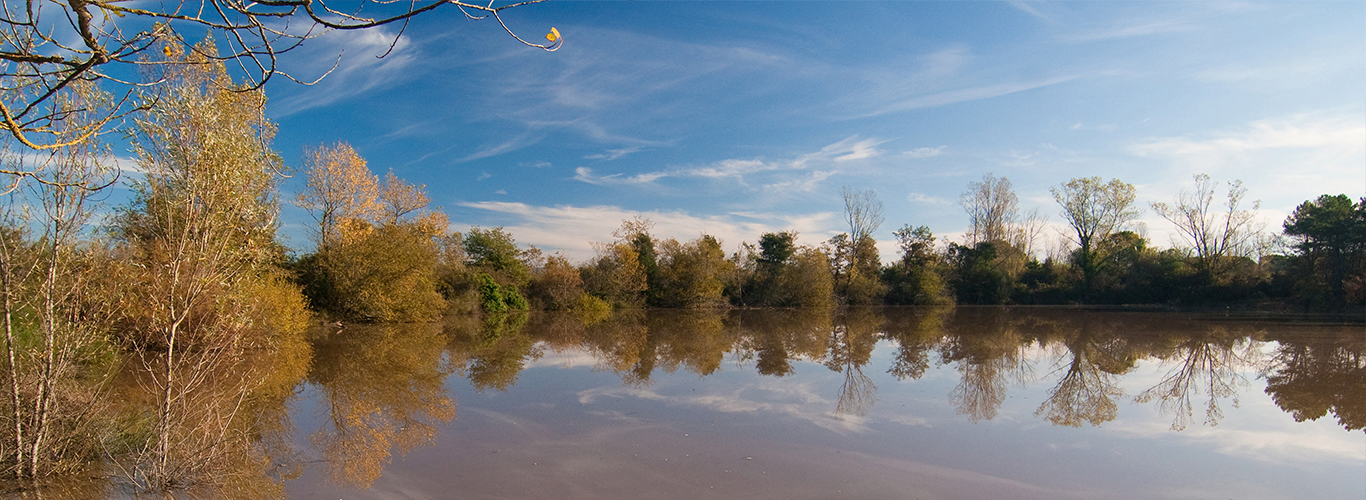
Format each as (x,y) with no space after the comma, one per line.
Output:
(866,403)
(964,402)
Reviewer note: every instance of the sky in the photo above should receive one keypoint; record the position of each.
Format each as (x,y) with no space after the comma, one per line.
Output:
(739,118)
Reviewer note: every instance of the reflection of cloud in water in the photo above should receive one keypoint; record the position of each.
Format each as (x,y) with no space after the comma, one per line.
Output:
(909,420)
(768,397)
(591,395)
(558,358)
(1272,446)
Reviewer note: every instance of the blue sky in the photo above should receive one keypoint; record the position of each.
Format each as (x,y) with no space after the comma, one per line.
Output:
(737,118)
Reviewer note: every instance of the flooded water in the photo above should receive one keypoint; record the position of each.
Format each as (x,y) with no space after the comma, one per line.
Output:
(868,403)
(960,402)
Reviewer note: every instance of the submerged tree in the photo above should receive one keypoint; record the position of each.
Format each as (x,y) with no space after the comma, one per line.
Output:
(54,334)
(1087,390)
(383,392)
(203,286)
(1212,363)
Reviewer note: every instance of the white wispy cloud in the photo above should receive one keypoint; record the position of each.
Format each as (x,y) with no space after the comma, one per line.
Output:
(919,153)
(1029,9)
(1135,30)
(1301,132)
(963,94)
(1294,157)
(926,199)
(572,229)
(613,154)
(854,149)
(510,144)
(800,173)
(585,174)
(358,69)
(804,184)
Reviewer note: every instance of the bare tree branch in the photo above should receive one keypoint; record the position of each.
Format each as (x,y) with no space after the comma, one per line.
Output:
(35,65)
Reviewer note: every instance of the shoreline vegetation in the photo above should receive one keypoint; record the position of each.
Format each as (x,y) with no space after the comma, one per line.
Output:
(159,349)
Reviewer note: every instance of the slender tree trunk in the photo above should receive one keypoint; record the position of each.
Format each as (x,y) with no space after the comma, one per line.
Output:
(7,289)
(43,404)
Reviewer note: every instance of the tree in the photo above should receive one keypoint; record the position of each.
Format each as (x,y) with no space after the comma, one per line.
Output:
(775,249)
(1214,237)
(854,257)
(765,270)
(863,212)
(495,252)
(1330,234)
(636,233)
(49,46)
(992,209)
(398,198)
(388,274)
(693,274)
(377,258)
(615,275)
(917,244)
(201,236)
(994,219)
(976,277)
(856,269)
(557,285)
(808,281)
(340,188)
(1094,210)
(915,279)
(52,343)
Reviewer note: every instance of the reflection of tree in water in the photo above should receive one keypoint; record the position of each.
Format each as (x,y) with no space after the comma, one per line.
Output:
(988,352)
(1205,362)
(773,338)
(850,346)
(493,351)
(385,387)
(916,332)
(228,430)
(635,345)
(620,343)
(1311,378)
(693,340)
(1086,391)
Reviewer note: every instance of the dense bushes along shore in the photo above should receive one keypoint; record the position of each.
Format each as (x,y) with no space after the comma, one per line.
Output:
(387,268)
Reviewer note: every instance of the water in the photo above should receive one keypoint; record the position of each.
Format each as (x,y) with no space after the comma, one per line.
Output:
(869,403)
(967,402)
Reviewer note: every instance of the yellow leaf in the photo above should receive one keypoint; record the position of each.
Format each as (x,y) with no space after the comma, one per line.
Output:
(553,35)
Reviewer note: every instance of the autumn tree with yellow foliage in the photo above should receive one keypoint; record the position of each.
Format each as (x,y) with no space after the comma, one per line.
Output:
(377,241)
(201,281)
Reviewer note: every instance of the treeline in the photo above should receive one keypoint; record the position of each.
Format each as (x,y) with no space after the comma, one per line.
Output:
(381,264)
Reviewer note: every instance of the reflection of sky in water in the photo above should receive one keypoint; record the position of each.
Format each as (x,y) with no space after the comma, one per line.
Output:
(570,428)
